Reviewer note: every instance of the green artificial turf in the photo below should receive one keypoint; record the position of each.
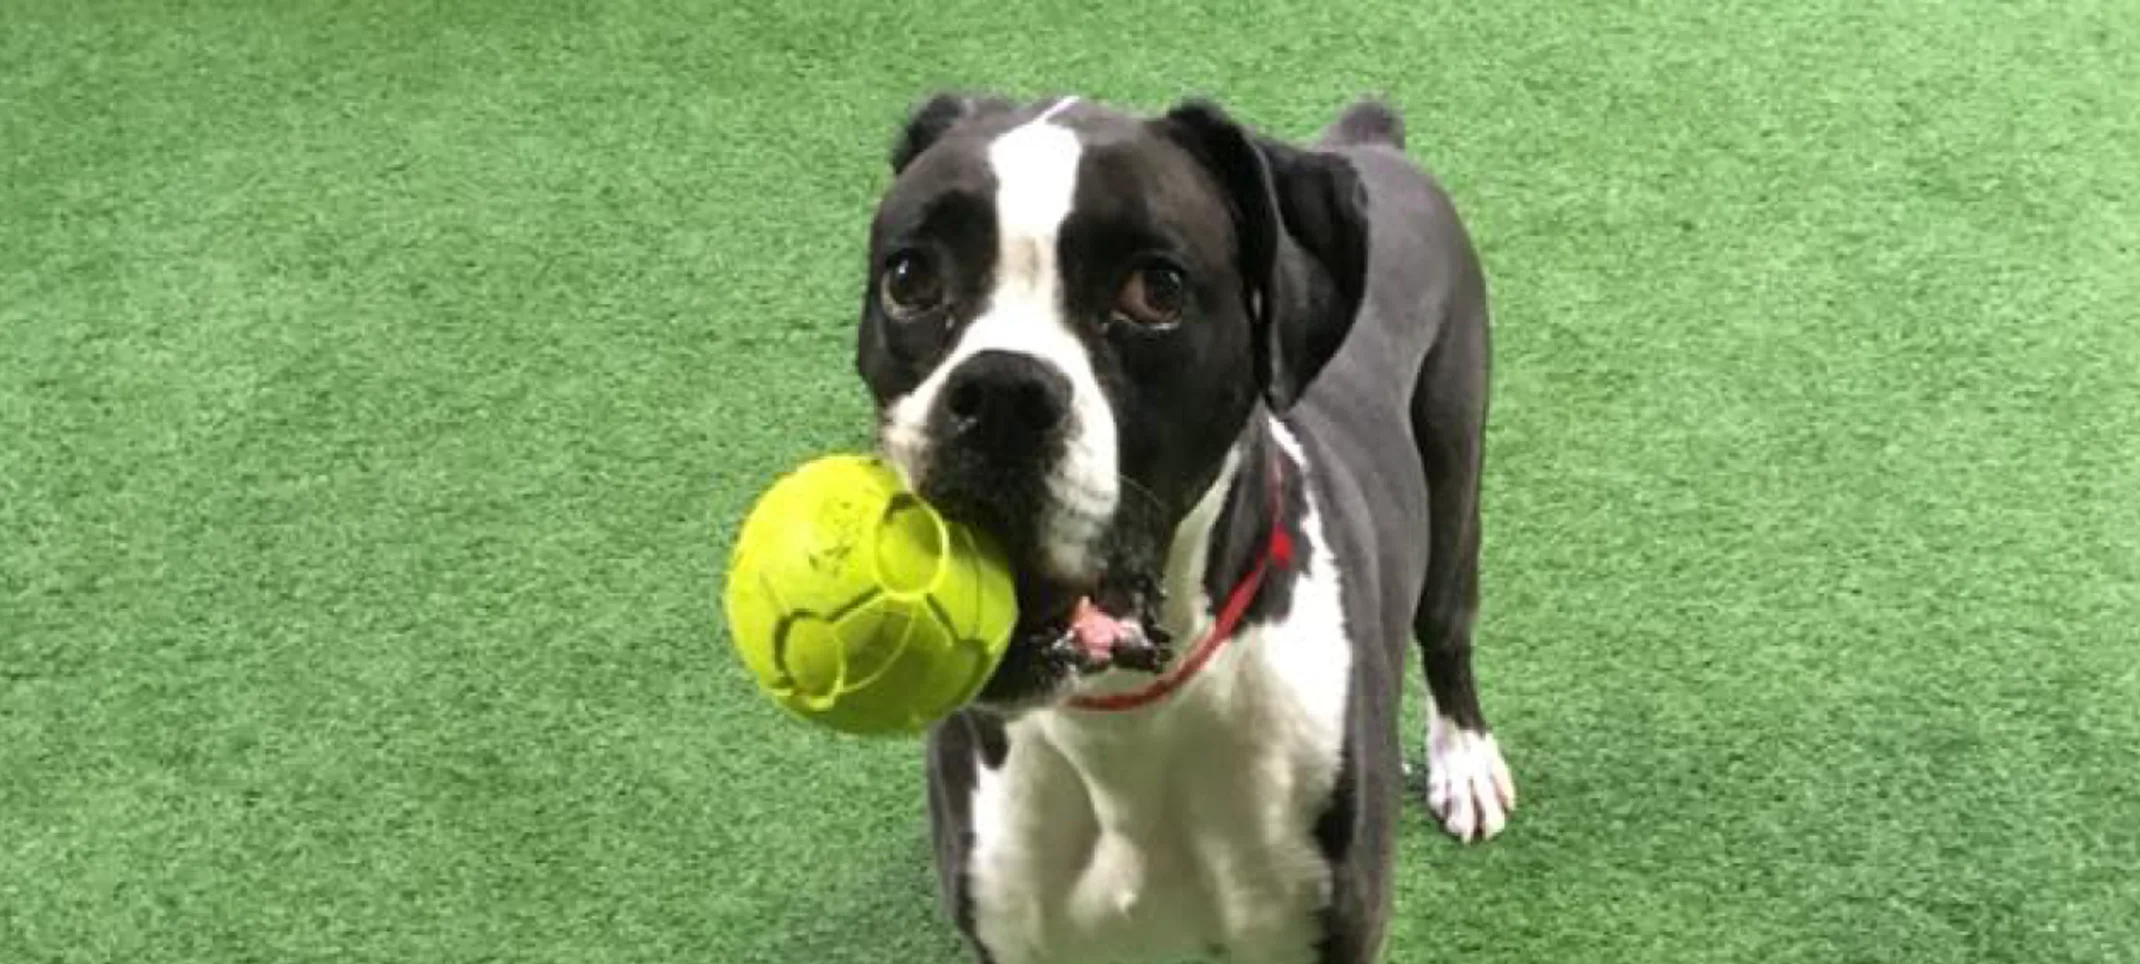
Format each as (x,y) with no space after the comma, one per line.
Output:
(378,383)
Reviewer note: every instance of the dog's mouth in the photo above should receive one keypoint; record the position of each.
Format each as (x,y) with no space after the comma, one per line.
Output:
(1091,628)
(1082,611)
(1070,630)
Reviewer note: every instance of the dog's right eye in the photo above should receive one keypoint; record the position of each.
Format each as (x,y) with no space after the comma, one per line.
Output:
(911,286)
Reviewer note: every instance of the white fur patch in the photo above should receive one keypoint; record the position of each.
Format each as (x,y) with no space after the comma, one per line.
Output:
(1468,784)
(1035,167)
(1183,828)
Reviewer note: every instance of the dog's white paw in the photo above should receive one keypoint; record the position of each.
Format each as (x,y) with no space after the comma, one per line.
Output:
(1468,786)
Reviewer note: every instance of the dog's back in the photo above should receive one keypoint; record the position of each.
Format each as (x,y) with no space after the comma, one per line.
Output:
(1396,414)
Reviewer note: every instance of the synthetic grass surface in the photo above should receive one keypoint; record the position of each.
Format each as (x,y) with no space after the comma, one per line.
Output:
(378,383)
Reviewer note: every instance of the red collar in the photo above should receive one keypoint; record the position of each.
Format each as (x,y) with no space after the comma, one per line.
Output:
(1277,552)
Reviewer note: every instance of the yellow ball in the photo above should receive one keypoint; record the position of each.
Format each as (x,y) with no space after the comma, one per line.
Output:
(856,605)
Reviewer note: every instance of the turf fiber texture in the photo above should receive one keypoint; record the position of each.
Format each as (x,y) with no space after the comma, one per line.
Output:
(379,385)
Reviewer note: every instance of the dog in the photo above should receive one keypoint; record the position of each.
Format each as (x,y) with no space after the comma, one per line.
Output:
(1221,398)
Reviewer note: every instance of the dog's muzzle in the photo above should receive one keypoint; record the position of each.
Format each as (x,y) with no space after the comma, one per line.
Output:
(996,437)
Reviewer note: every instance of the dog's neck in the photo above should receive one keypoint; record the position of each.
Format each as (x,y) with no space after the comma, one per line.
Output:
(1216,546)
(1228,530)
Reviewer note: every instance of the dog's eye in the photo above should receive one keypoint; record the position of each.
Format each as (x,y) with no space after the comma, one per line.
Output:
(1153,295)
(911,285)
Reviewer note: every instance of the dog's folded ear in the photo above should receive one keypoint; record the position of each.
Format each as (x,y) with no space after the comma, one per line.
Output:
(932,118)
(1301,223)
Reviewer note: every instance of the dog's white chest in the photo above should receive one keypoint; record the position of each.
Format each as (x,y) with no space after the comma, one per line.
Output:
(1180,833)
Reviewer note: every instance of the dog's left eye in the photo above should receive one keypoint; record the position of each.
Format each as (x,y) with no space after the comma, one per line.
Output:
(1153,296)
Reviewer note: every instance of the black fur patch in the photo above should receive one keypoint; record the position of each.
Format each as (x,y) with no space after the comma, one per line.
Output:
(930,120)
(1242,534)
(1301,217)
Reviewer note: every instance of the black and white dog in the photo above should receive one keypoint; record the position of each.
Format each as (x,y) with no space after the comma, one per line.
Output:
(1222,398)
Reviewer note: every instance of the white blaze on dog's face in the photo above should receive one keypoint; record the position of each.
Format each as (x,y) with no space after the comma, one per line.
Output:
(1056,336)
(1021,315)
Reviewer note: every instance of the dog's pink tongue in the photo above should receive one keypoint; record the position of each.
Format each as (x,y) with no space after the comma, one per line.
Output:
(1097,632)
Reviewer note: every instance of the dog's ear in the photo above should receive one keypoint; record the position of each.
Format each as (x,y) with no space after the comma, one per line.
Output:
(1301,222)
(932,118)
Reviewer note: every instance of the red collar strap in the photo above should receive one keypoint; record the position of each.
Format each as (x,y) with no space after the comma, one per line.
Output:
(1278,552)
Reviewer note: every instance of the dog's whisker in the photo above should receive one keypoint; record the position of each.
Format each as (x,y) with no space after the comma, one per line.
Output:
(1124,483)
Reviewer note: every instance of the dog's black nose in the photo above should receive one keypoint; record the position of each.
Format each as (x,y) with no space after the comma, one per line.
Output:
(1000,396)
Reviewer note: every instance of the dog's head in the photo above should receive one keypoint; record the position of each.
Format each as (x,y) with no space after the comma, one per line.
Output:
(1072,312)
